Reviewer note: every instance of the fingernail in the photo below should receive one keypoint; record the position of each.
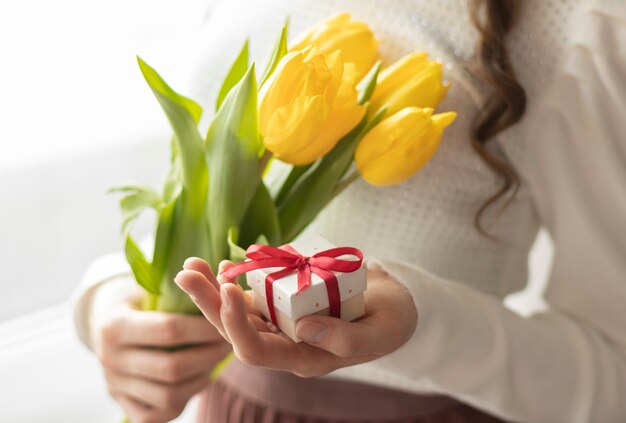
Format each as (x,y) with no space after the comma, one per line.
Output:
(312,332)
(225,300)
(176,280)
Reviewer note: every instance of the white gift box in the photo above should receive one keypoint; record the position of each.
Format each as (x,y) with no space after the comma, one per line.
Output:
(291,305)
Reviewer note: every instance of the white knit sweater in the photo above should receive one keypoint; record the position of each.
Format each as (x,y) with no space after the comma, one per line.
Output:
(567,364)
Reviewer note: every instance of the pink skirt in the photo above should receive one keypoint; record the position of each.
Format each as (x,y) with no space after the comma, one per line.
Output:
(247,394)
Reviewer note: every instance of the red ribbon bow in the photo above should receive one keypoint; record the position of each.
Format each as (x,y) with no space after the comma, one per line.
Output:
(323,264)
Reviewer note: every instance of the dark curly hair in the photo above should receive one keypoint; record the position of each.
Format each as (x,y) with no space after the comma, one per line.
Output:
(506,103)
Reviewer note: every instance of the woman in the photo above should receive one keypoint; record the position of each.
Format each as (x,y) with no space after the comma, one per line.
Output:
(539,142)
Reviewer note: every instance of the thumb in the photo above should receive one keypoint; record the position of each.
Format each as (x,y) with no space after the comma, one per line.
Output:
(369,336)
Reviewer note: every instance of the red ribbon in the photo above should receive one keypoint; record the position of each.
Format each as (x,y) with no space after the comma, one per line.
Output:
(323,264)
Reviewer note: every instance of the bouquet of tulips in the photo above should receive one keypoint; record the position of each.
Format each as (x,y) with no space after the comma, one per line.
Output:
(280,147)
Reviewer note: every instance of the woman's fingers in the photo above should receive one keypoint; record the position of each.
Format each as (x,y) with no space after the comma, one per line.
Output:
(389,321)
(253,342)
(199,265)
(161,396)
(168,366)
(242,332)
(194,283)
(222,267)
(262,325)
(368,337)
(204,294)
(249,294)
(151,328)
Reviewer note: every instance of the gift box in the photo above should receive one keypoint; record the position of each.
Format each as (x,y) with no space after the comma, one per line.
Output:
(309,276)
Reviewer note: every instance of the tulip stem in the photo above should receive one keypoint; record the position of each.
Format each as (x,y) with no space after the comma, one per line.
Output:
(267,155)
(152,302)
(345,183)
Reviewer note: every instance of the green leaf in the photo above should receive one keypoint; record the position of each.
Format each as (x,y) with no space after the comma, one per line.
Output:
(234,75)
(280,50)
(232,147)
(295,174)
(183,115)
(262,239)
(173,183)
(142,269)
(221,366)
(237,254)
(163,238)
(182,229)
(368,84)
(313,191)
(181,233)
(261,218)
(375,120)
(137,198)
(158,85)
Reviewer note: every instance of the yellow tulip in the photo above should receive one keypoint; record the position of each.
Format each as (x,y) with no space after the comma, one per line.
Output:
(413,81)
(355,40)
(307,105)
(400,145)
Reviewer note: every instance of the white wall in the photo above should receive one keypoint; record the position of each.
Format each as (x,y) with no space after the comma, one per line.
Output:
(75,118)
(57,218)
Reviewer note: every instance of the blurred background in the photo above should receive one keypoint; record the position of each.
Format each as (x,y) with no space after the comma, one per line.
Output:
(76,118)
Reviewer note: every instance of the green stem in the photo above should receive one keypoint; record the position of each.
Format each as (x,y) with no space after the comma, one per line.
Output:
(219,367)
(345,183)
(292,179)
(267,155)
(151,302)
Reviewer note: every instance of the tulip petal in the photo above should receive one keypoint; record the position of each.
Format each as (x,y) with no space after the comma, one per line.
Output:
(397,74)
(385,135)
(443,120)
(425,89)
(354,39)
(281,88)
(400,145)
(398,165)
(413,81)
(343,117)
(296,125)
(307,38)
(338,124)
(347,95)
(335,68)
(358,47)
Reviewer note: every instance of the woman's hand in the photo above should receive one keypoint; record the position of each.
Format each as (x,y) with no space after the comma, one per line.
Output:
(150,383)
(330,343)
